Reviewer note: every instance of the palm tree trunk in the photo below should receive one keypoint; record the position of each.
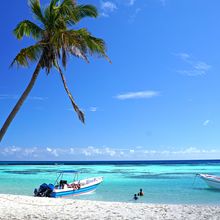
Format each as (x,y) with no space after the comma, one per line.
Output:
(20,102)
(76,108)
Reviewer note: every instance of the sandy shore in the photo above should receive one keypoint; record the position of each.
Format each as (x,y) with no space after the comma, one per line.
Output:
(23,207)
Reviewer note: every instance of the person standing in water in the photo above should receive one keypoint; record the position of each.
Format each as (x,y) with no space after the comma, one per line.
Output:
(135,197)
(141,193)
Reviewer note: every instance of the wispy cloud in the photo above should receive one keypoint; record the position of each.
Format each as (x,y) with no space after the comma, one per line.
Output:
(8,97)
(52,151)
(195,67)
(206,122)
(137,95)
(37,98)
(92,151)
(104,153)
(107,7)
(183,56)
(134,15)
(93,109)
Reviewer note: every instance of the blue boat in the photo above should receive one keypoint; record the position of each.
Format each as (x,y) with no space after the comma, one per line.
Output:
(63,188)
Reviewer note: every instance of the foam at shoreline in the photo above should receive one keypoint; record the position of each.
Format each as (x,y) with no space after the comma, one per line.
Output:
(26,207)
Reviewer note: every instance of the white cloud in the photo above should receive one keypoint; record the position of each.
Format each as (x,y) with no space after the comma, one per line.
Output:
(9,96)
(122,153)
(10,150)
(134,15)
(37,98)
(19,152)
(103,14)
(201,66)
(110,151)
(48,149)
(30,151)
(190,150)
(183,56)
(138,95)
(206,122)
(139,147)
(54,152)
(96,151)
(195,67)
(91,151)
(106,153)
(72,150)
(108,6)
(93,109)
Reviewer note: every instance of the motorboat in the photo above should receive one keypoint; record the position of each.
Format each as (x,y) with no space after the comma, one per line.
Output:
(61,187)
(211,180)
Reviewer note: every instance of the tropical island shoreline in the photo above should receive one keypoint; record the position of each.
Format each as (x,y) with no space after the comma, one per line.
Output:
(27,207)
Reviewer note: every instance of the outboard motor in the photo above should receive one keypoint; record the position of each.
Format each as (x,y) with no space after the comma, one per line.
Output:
(44,190)
(50,188)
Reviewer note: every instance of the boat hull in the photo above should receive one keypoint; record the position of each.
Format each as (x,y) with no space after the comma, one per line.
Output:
(211,181)
(71,192)
(62,188)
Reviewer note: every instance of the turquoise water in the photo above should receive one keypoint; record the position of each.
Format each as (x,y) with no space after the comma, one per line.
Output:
(161,183)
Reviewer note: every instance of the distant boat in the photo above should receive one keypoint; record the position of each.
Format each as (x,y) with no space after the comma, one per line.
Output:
(211,180)
(63,188)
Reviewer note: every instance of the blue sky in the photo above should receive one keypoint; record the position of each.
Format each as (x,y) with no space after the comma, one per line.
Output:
(159,99)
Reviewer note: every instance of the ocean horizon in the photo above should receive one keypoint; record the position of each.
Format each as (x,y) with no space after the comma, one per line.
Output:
(90,162)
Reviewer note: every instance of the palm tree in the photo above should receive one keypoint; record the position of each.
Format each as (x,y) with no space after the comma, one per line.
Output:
(55,41)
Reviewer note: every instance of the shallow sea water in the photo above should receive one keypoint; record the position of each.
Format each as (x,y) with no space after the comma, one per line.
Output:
(172,183)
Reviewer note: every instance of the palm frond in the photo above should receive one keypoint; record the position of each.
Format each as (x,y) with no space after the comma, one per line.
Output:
(79,43)
(36,9)
(27,55)
(52,9)
(53,4)
(73,13)
(65,11)
(75,51)
(94,45)
(76,108)
(49,18)
(82,11)
(27,28)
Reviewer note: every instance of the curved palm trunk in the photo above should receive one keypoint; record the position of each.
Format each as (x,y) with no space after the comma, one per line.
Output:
(76,108)
(20,102)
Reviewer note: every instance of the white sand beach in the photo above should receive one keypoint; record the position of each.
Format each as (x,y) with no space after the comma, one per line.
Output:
(24,207)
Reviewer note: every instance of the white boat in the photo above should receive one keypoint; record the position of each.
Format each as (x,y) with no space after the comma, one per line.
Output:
(62,188)
(211,180)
